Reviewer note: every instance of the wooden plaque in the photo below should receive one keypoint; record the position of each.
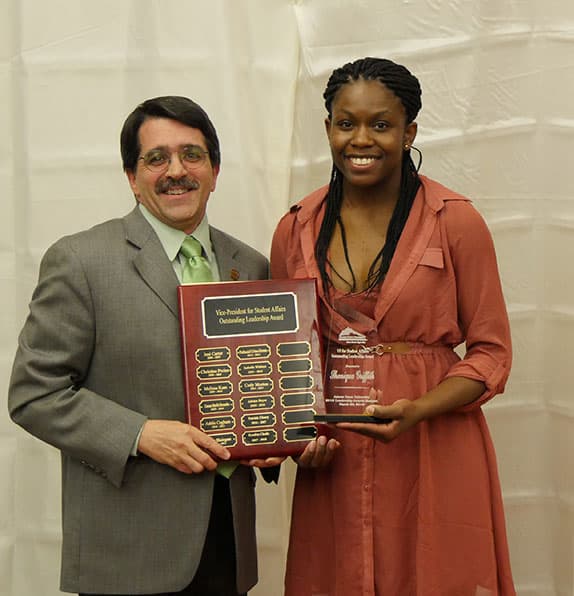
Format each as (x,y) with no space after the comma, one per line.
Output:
(252,364)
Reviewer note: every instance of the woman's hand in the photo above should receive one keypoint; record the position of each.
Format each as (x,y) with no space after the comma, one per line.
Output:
(451,394)
(403,414)
(318,453)
(269,462)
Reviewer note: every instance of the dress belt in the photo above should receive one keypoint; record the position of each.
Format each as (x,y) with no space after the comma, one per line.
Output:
(401,347)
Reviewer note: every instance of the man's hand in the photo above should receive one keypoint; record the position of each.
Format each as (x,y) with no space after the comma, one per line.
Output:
(180,446)
(318,453)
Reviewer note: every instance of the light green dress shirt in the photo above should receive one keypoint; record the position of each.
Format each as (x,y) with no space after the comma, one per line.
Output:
(171,240)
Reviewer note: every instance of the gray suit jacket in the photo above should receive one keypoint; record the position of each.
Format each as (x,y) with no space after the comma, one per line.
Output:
(99,353)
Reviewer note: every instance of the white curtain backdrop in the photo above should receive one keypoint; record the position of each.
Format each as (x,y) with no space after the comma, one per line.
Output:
(497,124)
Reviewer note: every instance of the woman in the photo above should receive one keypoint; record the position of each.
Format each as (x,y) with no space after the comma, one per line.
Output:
(406,271)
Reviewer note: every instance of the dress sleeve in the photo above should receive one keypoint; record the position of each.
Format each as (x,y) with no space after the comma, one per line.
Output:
(481,307)
(281,244)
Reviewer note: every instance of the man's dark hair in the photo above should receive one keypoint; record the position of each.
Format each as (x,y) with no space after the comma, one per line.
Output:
(174,107)
(405,86)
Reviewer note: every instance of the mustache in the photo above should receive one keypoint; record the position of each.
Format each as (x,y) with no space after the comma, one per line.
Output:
(167,184)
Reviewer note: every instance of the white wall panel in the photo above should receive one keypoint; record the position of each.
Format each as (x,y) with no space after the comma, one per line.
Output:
(497,124)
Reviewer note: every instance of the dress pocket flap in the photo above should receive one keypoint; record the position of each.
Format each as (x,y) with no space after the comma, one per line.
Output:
(433,257)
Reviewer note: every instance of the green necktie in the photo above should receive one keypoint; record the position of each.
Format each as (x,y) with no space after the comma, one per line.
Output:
(196,269)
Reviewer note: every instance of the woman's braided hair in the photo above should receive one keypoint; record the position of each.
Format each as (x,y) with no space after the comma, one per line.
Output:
(406,87)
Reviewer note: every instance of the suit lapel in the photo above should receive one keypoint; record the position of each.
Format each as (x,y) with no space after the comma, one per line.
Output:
(228,257)
(150,261)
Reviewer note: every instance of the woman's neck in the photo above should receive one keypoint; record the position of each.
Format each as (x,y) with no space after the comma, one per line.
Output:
(374,199)
(370,204)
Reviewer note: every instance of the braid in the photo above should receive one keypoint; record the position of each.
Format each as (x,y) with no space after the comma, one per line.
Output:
(409,186)
(334,200)
(406,87)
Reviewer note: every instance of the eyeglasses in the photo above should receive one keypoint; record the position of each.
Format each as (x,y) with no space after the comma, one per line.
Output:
(158,160)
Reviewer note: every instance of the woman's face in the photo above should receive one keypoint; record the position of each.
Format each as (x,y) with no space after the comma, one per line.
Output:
(367,133)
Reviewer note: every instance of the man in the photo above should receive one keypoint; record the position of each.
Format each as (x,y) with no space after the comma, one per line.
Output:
(98,375)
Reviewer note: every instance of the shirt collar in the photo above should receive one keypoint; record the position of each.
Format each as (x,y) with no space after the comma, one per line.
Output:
(171,238)
(201,233)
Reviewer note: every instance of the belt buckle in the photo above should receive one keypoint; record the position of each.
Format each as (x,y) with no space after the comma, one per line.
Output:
(378,350)
(381,349)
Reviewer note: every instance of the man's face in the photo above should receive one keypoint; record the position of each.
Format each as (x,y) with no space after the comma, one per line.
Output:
(177,196)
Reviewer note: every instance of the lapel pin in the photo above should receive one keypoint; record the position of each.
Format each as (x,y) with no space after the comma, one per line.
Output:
(234,275)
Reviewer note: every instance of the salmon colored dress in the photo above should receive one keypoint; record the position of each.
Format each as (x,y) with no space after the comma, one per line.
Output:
(421,515)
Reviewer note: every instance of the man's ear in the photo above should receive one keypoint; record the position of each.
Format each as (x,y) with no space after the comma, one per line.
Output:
(131,176)
(215,175)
